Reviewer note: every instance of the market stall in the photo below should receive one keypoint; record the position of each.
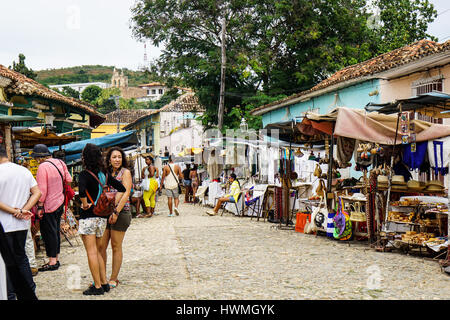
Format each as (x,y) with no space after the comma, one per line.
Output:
(374,138)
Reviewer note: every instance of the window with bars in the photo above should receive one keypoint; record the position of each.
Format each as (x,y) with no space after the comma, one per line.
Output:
(421,87)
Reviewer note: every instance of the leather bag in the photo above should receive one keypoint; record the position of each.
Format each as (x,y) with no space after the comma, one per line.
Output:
(106,203)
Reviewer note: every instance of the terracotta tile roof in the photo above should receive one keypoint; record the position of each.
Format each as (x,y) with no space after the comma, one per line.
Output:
(187,102)
(152,84)
(378,64)
(127,115)
(23,86)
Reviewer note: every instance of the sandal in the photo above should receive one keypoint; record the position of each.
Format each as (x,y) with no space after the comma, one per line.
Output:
(116,283)
(140,215)
(48,267)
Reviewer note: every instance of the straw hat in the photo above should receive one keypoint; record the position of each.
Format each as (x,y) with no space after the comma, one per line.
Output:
(398,180)
(382,180)
(434,185)
(415,185)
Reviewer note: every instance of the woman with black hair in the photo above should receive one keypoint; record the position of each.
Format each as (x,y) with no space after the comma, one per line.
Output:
(117,166)
(91,227)
(232,196)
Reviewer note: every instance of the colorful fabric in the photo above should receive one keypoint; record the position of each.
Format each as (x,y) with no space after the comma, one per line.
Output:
(414,160)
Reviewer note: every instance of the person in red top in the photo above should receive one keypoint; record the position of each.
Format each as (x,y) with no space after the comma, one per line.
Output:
(50,176)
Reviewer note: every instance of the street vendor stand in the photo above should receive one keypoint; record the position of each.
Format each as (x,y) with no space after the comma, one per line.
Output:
(371,127)
(432,104)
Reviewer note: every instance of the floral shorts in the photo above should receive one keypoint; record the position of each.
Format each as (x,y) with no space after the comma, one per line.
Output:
(95,226)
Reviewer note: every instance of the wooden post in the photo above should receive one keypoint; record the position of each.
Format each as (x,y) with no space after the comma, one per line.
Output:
(222,79)
(8,142)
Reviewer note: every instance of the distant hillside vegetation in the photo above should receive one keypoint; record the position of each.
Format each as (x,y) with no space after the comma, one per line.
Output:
(83,74)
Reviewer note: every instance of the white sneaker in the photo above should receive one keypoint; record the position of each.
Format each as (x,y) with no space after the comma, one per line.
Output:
(210,212)
(176,211)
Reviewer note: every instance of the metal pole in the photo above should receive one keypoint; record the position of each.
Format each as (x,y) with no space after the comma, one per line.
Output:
(390,171)
(116,100)
(222,79)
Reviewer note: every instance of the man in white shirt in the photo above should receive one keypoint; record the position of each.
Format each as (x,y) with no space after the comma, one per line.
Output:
(18,194)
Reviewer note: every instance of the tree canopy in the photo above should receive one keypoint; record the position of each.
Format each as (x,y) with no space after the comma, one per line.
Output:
(274,48)
(91,94)
(22,68)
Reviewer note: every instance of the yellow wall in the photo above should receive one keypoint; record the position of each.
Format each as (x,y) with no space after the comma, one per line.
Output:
(105,129)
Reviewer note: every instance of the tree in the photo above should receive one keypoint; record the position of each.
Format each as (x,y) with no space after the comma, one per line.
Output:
(22,68)
(277,47)
(403,22)
(105,101)
(70,92)
(166,98)
(91,94)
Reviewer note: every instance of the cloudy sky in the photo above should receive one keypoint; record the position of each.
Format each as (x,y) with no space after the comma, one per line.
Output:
(65,33)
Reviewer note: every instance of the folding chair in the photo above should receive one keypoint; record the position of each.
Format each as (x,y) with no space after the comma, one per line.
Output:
(239,212)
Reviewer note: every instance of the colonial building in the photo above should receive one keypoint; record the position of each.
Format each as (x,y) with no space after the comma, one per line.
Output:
(80,86)
(414,69)
(176,118)
(26,97)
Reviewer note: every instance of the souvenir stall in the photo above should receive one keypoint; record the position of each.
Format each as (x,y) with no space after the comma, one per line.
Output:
(295,191)
(427,152)
(371,146)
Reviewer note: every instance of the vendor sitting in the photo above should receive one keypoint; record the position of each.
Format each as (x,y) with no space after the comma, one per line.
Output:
(233,196)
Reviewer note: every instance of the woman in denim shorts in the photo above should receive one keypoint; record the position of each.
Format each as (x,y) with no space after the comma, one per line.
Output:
(91,227)
(117,166)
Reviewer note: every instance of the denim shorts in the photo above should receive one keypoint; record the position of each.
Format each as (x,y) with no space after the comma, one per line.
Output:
(232,199)
(90,226)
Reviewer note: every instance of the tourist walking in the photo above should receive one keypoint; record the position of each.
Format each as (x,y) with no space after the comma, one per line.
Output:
(91,227)
(115,232)
(187,182)
(51,176)
(171,181)
(150,175)
(16,185)
(232,196)
(193,175)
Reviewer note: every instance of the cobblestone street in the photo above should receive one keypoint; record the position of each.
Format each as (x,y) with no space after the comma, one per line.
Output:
(195,256)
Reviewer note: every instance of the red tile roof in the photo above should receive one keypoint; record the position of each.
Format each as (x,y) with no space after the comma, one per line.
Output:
(378,64)
(24,86)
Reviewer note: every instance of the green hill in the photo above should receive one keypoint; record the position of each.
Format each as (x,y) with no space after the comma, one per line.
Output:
(83,74)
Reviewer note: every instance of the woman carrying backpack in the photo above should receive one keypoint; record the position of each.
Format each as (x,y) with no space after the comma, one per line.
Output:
(91,224)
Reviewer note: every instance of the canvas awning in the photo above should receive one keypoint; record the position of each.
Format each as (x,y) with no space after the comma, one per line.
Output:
(434,104)
(357,124)
(30,136)
(123,139)
(376,127)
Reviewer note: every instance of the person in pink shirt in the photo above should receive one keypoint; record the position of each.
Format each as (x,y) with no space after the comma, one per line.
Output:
(51,176)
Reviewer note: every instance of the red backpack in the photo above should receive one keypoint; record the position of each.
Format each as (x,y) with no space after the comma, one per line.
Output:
(106,203)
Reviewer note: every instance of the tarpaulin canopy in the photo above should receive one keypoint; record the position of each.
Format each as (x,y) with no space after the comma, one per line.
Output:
(30,136)
(434,104)
(375,127)
(297,132)
(123,139)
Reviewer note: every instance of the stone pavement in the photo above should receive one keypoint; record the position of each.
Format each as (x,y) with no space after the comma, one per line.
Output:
(195,256)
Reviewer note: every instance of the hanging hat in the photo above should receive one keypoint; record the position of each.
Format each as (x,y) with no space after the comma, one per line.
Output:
(398,180)
(40,150)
